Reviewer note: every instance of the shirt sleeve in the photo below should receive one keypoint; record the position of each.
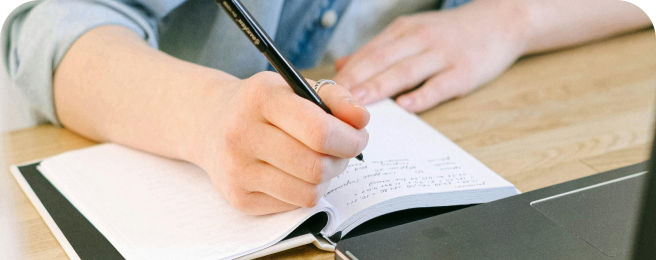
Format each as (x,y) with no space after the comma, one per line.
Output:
(37,35)
(450,4)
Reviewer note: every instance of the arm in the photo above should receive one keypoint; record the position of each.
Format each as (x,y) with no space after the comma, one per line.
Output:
(453,52)
(562,23)
(265,148)
(111,86)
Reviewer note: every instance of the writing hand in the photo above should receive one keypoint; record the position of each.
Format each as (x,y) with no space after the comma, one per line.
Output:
(270,150)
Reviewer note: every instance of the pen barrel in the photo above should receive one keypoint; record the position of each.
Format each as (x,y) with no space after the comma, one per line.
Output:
(242,19)
(264,44)
(295,80)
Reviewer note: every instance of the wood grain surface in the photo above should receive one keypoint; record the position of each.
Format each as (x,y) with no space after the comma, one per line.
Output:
(550,118)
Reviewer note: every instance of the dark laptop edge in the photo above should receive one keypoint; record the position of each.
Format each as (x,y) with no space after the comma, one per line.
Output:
(524,198)
(645,241)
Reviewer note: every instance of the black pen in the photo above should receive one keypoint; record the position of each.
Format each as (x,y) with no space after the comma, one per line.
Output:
(265,45)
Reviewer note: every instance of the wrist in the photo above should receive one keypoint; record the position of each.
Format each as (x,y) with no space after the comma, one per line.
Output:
(517,23)
(212,100)
(537,16)
(506,22)
(523,25)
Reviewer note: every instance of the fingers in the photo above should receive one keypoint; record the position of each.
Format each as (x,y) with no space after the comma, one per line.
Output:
(399,77)
(446,85)
(339,63)
(270,144)
(364,66)
(282,186)
(257,203)
(343,106)
(308,123)
(389,34)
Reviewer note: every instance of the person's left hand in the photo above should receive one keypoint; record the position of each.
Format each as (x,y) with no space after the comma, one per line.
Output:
(451,52)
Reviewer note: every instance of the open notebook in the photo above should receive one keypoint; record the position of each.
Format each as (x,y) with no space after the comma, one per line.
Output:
(149,207)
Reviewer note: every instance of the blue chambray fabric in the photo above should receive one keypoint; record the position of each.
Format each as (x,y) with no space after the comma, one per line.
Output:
(302,38)
(454,3)
(37,35)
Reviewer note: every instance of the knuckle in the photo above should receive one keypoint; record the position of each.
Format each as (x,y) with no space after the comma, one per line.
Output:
(422,32)
(239,169)
(232,174)
(377,85)
(409,71)
(238,200)
(319,135)
(265,77)
(318,168)
(271,80)
(254,89)
(234,136)
(261,86)
(380,56)
(310,197)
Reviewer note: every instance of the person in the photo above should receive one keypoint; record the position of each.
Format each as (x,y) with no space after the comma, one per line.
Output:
(178,79)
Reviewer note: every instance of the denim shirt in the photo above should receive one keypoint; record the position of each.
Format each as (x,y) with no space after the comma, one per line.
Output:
(37,35)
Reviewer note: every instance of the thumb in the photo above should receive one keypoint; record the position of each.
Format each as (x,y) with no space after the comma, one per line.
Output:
(343,106)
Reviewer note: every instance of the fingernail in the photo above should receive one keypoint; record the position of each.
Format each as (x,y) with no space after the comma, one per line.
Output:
(406,102)
(355,103)
(360,94)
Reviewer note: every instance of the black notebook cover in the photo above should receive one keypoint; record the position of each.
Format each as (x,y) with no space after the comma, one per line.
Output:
(85,239)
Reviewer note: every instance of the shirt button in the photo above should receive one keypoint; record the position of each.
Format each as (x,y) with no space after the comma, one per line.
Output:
(328,19)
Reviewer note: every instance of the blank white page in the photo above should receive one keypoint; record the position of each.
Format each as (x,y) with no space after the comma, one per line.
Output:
(150,207)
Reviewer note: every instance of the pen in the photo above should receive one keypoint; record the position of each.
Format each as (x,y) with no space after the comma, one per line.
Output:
(265,45)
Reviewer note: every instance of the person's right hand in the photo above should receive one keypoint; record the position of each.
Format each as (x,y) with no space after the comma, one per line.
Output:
(268,150)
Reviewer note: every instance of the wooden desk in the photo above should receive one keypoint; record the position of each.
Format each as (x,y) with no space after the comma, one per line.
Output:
(550,118)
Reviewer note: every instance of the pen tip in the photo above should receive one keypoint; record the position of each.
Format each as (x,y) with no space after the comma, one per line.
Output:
(360,158)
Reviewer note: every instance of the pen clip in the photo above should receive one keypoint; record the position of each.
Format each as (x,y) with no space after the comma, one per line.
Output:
(243,19)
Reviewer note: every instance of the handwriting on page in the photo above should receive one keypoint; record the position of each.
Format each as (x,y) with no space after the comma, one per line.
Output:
(364,184)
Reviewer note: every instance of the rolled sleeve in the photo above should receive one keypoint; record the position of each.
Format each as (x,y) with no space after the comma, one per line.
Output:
(37,35)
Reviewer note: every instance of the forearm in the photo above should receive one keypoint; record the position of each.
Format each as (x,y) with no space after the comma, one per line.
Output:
(112,86)
(556,24)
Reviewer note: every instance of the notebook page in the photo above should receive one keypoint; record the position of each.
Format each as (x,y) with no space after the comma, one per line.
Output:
(405,156)
(149,207)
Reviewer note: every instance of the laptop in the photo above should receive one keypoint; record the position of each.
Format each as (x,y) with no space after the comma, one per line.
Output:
(611,215)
